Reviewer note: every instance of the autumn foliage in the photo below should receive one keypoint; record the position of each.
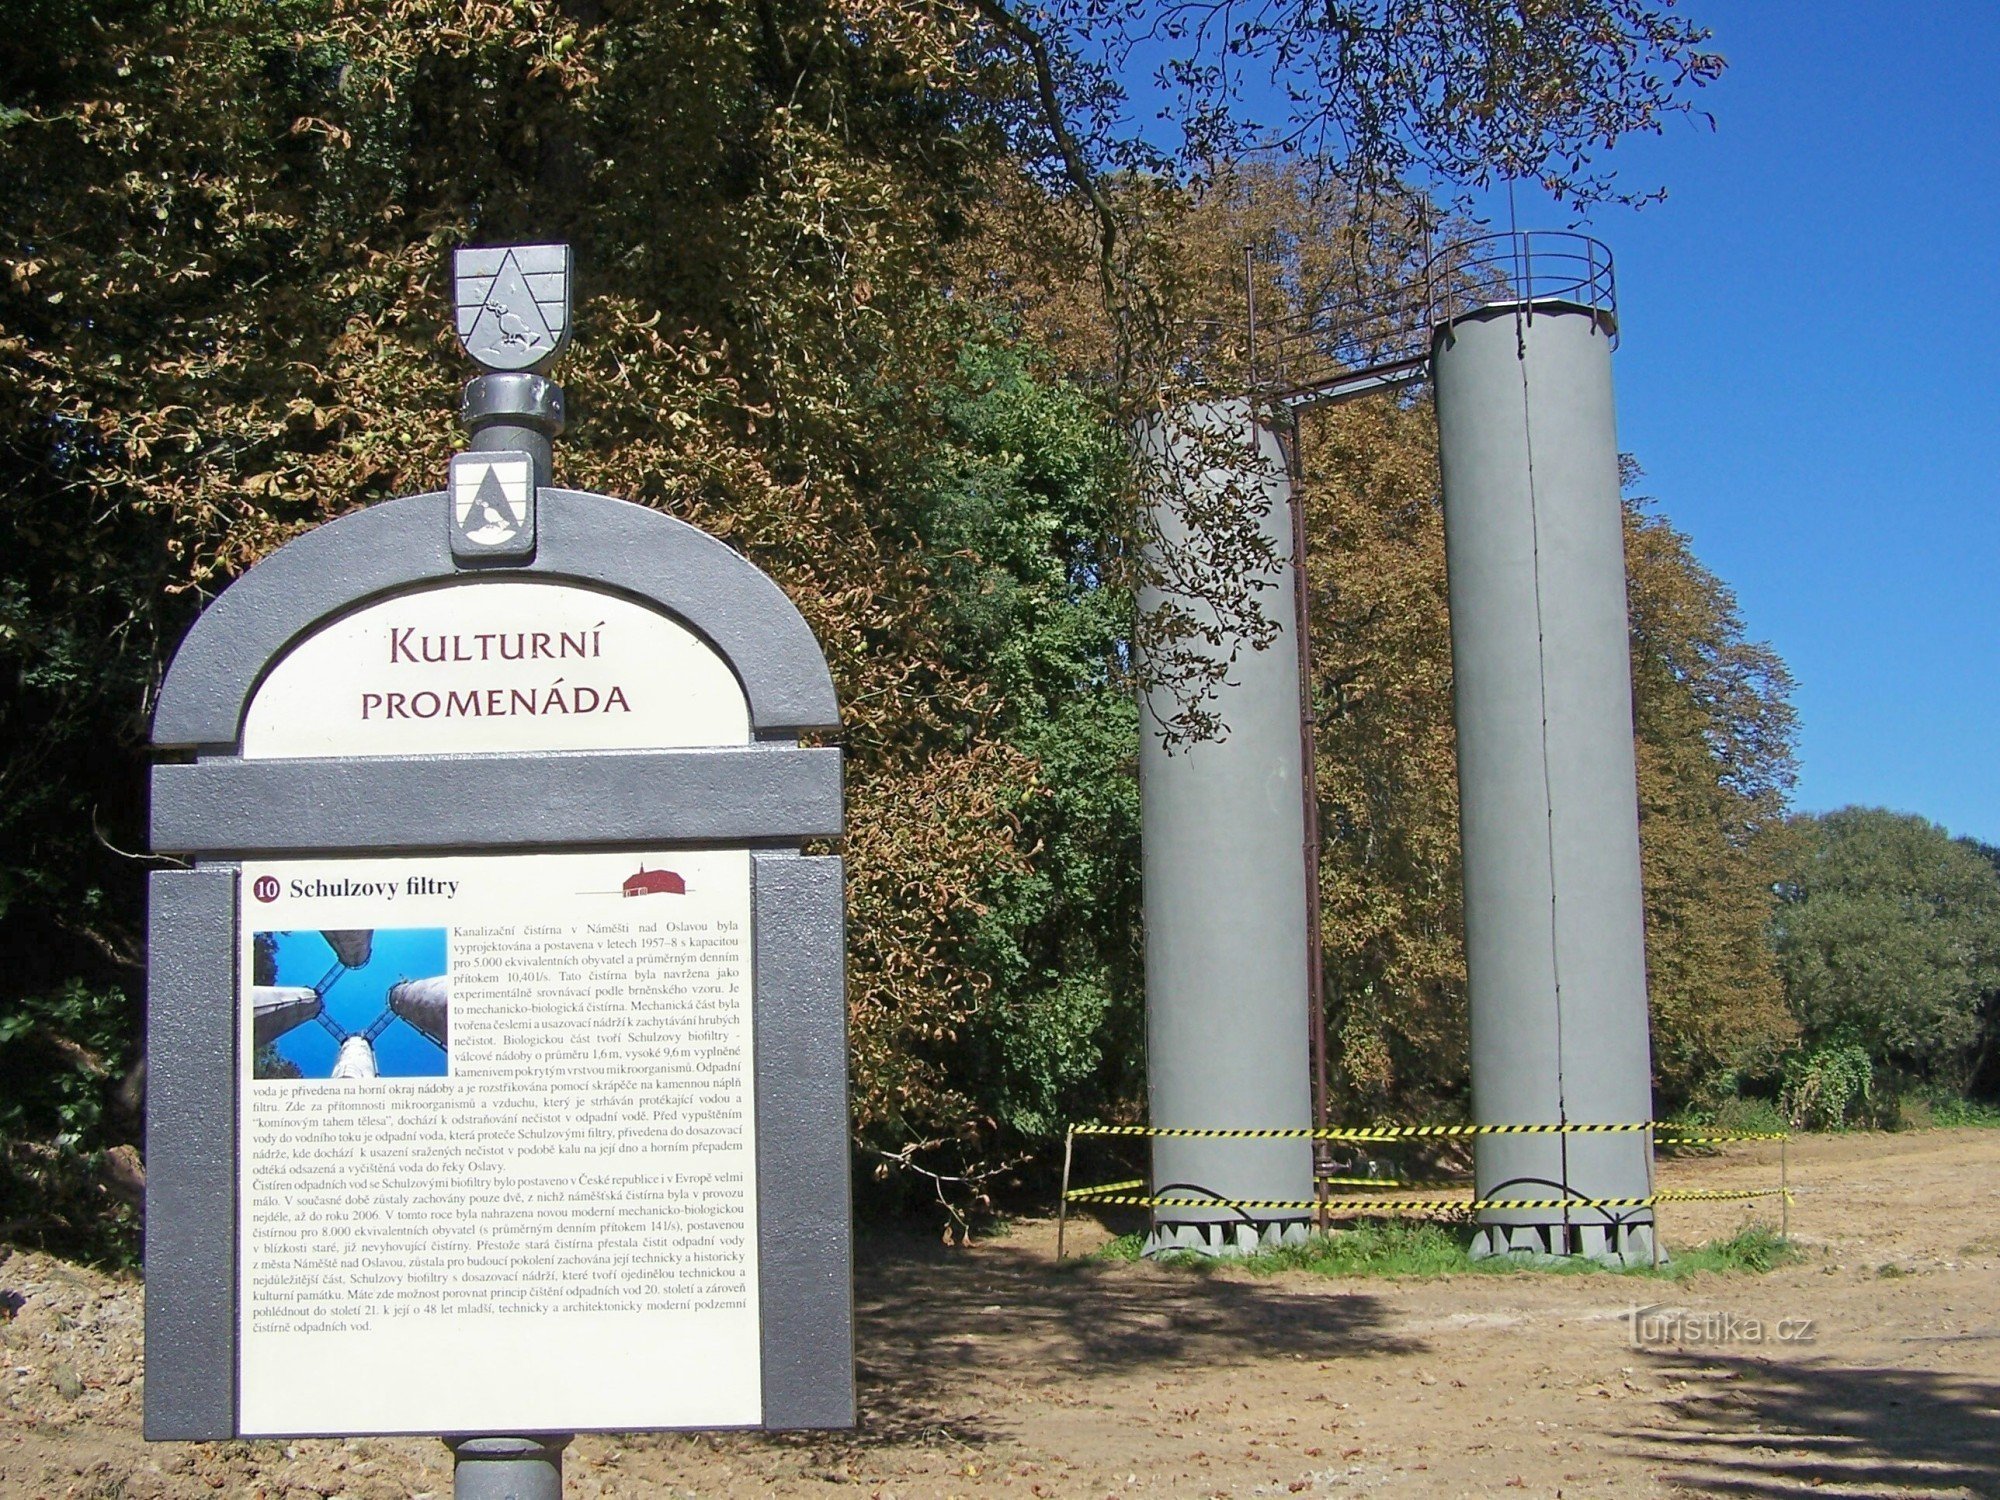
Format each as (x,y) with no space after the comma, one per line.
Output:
(854,298)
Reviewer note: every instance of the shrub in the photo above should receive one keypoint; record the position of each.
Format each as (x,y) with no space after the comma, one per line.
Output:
(1826,1088)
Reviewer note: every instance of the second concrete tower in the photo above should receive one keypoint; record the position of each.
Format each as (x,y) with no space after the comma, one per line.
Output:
(1226,954)
(1554,923)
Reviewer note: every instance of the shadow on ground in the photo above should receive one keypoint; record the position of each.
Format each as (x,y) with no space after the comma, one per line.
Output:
(930,1320)
(1753,1427)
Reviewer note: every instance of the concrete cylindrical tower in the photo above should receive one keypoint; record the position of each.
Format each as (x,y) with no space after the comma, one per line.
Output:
(1226,991)
(1554,925)
(277,1008)
(352,947)
(355,1061)
(425,1004)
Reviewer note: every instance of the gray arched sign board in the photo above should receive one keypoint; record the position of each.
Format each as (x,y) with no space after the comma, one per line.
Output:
(496,1033)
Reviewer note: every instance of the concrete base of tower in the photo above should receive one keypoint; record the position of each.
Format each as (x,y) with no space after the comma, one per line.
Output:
(1625,1245)
(1234,1237)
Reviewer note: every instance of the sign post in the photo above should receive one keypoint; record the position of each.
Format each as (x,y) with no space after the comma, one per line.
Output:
(496,1031)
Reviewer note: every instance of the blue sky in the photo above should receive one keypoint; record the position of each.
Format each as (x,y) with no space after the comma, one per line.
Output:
(1807,378)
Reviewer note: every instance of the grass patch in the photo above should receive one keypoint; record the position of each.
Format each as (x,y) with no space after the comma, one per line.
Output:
(1921,1108)
(1738,1113)
(1397,1247)
(1126,1247)
(1413,1248)
(1757,1249)
(1951,1112)
(1751,1115)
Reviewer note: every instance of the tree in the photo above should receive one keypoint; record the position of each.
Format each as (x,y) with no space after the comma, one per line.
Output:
(1398,93)
(1983,1079)
(223,320)
(1394,100)
(1025,527)
(1712,742)
(1390,907)
(1888,937)
(1017,518)
(1714,730)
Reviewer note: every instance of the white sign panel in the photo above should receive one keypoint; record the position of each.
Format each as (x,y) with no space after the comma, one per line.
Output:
(497,1144)
(496,665)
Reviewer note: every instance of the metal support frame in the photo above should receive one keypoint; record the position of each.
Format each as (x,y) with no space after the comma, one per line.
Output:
(1310,847)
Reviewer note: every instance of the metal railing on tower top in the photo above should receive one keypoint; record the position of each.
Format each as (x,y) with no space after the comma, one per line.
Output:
(1373,340)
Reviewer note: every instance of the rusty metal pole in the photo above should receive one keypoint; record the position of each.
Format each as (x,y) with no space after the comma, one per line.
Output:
(1250,322)
(1308,762)
(1310,850)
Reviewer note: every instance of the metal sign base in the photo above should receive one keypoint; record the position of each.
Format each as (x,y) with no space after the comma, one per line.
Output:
(507,1468)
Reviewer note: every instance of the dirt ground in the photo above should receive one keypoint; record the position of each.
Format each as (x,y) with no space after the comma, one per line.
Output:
(992,1371)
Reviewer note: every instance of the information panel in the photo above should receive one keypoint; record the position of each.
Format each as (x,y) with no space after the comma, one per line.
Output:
(497,1138)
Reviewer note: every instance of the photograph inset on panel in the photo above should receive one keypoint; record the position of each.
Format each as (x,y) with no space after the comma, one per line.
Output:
(351,1005)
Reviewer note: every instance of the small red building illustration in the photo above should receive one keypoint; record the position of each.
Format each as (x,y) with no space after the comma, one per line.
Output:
(655,883)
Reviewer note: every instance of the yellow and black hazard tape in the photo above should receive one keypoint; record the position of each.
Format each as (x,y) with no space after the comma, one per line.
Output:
(1423,1132)
(1104,1195)
(1369,1184)
(1722,1195)
(1185,1131)
(1352,1133)
(1108,1187)
(1668,1134)
(1143,1201)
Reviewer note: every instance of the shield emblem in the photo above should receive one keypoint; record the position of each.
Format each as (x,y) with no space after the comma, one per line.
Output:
(513,304)
(492,505)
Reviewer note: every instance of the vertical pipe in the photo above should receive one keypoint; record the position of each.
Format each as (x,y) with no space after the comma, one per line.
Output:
(514,411)
(1430,274)
(352,947)
(1225,900)
(1554,919)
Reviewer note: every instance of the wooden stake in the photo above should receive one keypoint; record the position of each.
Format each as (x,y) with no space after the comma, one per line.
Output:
(1784,1193)
(1062,1205)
